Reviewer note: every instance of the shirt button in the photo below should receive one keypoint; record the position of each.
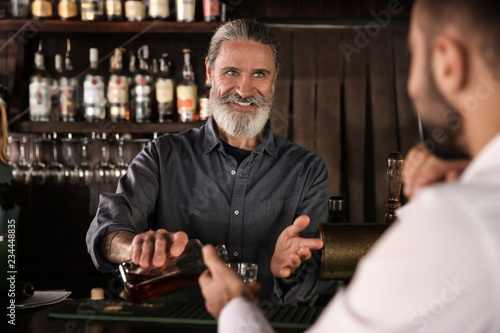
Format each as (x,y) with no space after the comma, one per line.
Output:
(233,172)
(236,212)
(235,253)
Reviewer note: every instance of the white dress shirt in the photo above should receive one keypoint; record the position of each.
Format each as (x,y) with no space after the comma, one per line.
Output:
(435,270)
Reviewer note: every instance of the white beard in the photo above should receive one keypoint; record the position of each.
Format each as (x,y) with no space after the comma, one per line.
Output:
(237,123)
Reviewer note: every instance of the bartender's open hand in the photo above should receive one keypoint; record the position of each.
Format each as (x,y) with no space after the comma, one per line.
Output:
(422,168)
(153,247)
(291,248)
(220,284)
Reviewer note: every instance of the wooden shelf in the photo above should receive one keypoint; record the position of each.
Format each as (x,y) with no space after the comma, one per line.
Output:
(106,27)
(101,127)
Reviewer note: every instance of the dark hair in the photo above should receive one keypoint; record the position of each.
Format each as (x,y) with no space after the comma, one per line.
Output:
(476,20)
(246,30)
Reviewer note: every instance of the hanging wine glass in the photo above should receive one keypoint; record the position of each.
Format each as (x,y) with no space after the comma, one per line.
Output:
(55,170)
(69,172)
(38,169)
(83,171)
(22,173)
(121,167)
(103,170)
(10,163)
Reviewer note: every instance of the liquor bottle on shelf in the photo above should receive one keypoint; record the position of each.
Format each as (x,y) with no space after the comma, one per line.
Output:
(204,101)
(42,9)
(158,9)
(114,10)
(94,102)
(20,8)
(135,10)
(118,85)
(185,10)
(68,10)
(211,10)
(92,10)
(68,85)
(187,91)
(54,97)
(40,89)
(165,91)
(143,87)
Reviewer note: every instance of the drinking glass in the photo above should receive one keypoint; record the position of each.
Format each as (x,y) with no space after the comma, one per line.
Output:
(103,170)
(22,173)
(10,163)
(38,168)
(69,172)
(121,167)
(55,170)
(83,171)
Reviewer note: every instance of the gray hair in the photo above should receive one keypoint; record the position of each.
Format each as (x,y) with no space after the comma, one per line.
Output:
(245,30)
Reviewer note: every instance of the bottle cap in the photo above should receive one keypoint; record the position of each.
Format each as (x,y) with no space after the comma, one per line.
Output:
(94,54)
(97,294)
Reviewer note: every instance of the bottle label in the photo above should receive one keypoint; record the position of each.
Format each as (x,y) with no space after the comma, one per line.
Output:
(158,8)
(135,9)
(185,10)
(118,89)
(67,100)
(40,99)
(205,108)
(165,91)
(186,99)
(67,9)
(93,90)
(41,8)
(113,8)
(211,8)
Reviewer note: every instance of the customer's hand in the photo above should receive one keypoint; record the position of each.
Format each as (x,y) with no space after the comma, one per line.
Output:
(154,247)
(220,284)
(422,168)
(291,249)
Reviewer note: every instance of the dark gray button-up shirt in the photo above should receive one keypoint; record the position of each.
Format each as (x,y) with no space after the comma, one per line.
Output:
(187,182)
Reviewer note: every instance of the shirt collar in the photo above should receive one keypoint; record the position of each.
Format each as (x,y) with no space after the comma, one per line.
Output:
(212,140)
(487,159)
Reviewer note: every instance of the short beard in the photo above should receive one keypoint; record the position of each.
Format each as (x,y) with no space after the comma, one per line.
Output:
(248,124)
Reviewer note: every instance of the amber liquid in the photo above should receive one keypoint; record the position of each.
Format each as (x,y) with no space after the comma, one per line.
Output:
(142,288)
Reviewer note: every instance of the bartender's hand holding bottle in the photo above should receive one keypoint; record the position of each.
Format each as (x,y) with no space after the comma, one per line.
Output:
(291,248)
(145,249)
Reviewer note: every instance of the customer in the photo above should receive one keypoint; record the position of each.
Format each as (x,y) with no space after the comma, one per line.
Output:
(232,181)
(437,269)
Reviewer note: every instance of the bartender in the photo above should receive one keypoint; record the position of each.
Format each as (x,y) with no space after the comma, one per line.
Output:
(232,181)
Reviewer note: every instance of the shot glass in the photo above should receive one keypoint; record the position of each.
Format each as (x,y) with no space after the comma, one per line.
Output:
(247,271)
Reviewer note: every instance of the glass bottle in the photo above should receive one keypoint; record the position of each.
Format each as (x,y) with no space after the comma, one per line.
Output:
(55,93)
(135,10)
(211,10)
(146,284)
(187,91)
(42,9)
(185,10)
(158,9)
(40,89)
(164,87)
(20,8)
(205,106)
(68,85)
(92,10)
(94,102)
(118,85)
(68,10)
(114,10)
(143,87)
